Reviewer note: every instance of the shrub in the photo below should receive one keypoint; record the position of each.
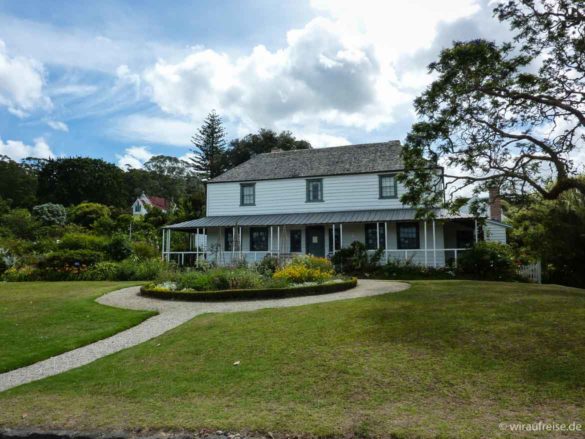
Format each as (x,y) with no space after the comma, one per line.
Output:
(305,268)
(83,241)
(144,250)
(3,265)
(130,269)
(104,225)
(105,270)
(74,261)
(7,260)
(22,274)
(408,270)
(313,263)
(268,265)
(147,270)
(120,248)
(488,260)
(355,259)
(85,214)
(216,279)
(50,214)
(298,274)
(243,279)
(20,224)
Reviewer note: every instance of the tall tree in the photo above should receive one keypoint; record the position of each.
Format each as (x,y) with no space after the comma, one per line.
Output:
(508,115)
(70,181)
(265,140)
(209,142)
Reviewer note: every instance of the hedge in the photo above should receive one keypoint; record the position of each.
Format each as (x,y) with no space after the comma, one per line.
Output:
(252,294)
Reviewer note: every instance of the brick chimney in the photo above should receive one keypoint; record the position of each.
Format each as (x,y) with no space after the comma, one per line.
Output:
(495,203)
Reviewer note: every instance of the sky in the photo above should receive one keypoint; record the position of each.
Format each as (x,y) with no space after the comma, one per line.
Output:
(125,80)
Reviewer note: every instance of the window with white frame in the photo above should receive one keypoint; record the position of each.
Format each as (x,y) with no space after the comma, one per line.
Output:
(248,194)
(408,236)
(388,186)
(314,190)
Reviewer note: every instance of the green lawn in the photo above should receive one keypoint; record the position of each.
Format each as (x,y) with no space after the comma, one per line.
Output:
(42,319)
(448,358)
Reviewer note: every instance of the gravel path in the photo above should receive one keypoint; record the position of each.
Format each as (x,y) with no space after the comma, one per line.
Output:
(171,314)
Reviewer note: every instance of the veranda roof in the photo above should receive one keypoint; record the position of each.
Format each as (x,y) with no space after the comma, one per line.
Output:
(313,218)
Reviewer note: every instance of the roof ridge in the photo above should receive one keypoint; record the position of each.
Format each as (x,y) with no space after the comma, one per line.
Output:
(329,148)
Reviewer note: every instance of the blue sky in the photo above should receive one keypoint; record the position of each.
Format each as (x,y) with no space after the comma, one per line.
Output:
(123,80)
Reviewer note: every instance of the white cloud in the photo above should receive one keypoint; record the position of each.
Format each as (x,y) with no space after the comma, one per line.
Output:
(77,90)
(396,27)
(126,77)
(154,130)
(325,74)
(21,84)
(58,125)
(320,140)
(337,71)
(134,157)
(82,49)
(17,150)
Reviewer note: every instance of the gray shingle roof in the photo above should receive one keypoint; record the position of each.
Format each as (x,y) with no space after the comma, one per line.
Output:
(350,159)
(353,216)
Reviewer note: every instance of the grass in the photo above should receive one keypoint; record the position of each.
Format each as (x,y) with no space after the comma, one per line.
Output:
(445,358)
(42,319)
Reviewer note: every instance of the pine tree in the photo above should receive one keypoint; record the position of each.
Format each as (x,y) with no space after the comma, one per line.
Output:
(210,145)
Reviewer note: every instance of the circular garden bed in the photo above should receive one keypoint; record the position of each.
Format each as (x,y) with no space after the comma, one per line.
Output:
(250,294)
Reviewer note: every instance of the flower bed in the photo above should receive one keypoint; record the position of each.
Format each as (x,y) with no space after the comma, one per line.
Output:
(158,292)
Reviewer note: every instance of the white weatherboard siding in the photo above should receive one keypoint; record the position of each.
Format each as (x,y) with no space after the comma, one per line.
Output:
(340,193)
(495,232)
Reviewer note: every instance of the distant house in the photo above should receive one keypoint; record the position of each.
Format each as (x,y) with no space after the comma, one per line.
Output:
(317,201)
(139,207)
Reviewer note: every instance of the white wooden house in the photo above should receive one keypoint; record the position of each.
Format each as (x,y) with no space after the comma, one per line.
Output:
(319,200)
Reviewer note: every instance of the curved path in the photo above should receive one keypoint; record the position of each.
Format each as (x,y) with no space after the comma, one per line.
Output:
(171,314)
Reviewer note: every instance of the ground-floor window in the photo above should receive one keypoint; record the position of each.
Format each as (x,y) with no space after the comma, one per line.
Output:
(464,238)
(259,239)
(408,236)
(228,238)
(296,239)
(371,230)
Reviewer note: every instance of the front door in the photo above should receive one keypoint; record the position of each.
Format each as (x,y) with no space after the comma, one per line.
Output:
(315,237)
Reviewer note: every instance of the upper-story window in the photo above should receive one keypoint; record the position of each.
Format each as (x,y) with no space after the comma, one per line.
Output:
(388,186)
(248,194)
(314,190)
(137,207)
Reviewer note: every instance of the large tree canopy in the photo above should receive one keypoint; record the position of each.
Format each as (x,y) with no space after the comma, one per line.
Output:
(265,140)
(508,115)
(70,181)
(554,232)
(18,185)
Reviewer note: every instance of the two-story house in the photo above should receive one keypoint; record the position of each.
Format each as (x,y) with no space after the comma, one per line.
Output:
(317,201)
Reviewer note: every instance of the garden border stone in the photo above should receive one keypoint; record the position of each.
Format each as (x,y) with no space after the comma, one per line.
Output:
(250,294)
